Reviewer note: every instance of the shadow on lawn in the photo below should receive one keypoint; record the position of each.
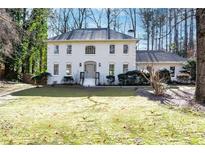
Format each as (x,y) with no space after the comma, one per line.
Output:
(67,91)
(173,96)
(177,100)
(148,93)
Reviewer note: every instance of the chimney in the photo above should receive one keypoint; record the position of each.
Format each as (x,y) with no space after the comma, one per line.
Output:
(131,32)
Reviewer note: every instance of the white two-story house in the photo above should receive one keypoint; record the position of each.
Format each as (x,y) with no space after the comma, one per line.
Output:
(89,55)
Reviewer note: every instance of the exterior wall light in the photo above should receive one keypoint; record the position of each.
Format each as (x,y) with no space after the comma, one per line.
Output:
(80,64)
(99,64)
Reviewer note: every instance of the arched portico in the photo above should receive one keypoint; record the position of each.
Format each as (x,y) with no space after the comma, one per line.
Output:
(90,69)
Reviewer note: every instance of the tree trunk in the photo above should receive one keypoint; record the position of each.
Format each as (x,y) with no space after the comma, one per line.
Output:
(170,29)
(108,23)
(176,39)
(152,37)
(156,39)
(160,34)
(41,61)
(162,40)
(185,33)
(200,81)
(148,34)
(191,32)
(166,31)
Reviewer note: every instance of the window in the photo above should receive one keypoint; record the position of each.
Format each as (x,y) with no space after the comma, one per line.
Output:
(69,49)
(125,68)
(56,69)
(68,69)
(125,49)
(111,69)
(112,49)
(172,71)
(90,50)
(56,49)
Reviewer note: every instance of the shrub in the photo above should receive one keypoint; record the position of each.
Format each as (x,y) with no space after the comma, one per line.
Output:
(122,78)
(190,68)
(134,77)
(110,79)
(40,78)
(164,75)
(12,76)
(68,79)
(183,78)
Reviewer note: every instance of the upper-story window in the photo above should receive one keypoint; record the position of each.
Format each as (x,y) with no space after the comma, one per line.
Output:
(69,49)
(90,50)
(125,49)
(56,49)
(112,49)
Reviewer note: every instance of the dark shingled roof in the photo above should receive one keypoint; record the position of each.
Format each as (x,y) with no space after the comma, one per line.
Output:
(91,34)
(157,56)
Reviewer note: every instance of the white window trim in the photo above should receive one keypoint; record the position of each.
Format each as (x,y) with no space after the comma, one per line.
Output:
(69,54)
(68,63)
(111,63)
(54,48)
(58,69)
(125,54)
(88,46)
(127,67)
(114,49)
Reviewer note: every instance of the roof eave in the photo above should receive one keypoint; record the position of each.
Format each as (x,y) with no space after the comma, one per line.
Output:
(162,62)
(107,40)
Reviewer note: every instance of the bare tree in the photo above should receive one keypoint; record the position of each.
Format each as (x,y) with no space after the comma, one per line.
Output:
(191,31)
(60,21)
(176,37)
(153,32)
(79,17)
(96,16)
(108,22)
(185,33)
(170,29)
(166,29)
(146,15)
(132,14)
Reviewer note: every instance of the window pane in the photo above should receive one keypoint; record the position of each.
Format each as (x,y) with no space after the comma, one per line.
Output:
(68,69)
(111,69)
(56,49)
(69,49)
(56,69)
(112,49)
(125,68)
(90,50)
(125,49)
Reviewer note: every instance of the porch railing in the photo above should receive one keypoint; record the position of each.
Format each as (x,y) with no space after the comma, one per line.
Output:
(82,77)
(97,78)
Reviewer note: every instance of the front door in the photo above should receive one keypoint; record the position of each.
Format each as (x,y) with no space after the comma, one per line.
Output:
(90,70)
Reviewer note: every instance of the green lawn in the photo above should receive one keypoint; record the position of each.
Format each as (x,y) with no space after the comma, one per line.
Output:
(62,115)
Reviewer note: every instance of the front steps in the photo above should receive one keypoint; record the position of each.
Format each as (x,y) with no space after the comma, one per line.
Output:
(89,82)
